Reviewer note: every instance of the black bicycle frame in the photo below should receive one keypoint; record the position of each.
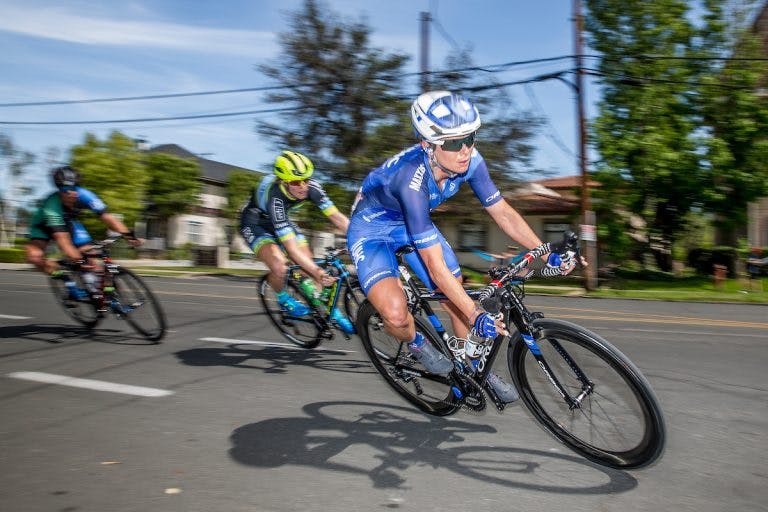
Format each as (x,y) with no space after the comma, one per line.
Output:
(518,314)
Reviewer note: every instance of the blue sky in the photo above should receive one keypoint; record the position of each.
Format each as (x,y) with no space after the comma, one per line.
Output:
(76,50)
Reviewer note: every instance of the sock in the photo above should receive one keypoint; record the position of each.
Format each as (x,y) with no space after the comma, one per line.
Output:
(418,341)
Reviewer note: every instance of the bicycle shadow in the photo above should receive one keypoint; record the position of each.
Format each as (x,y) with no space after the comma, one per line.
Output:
(405,439)
(273,358)
(61,333)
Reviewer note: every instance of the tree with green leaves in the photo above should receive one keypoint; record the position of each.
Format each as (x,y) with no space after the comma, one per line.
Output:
(736,118)
(344,96)
(174,184)
(112,169)
(672,119)
(240,185)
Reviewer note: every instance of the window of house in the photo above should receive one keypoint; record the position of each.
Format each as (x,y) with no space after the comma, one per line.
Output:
(472,236)
(194,231)
(553,231)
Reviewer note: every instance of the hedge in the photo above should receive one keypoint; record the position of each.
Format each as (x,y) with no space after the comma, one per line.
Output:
(12,255)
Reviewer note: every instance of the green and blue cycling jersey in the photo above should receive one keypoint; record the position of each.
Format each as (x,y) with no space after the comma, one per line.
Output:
(393,209)
(265,218)
(52,217)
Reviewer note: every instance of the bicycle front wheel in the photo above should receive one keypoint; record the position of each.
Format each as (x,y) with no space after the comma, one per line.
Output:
(618,422)
(304,331)
(134,301)
(429,392)
(82,311)
(353,298)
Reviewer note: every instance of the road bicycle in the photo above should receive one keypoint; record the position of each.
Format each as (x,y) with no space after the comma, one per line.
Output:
(577,386)
(118,291)
(309,331)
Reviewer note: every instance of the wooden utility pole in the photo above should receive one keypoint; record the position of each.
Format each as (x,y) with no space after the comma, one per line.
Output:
(588,231)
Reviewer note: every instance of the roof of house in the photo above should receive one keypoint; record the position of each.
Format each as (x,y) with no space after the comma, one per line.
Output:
(211,170)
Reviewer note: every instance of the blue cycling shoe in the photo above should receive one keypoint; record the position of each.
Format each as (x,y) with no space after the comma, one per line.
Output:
(430,357)
(343,322)
(292,306)
(506,391)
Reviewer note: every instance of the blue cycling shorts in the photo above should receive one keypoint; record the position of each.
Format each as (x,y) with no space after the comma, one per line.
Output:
(373,247)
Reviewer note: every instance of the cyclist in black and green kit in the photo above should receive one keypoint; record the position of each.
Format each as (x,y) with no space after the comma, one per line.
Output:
(57,219)
(271,235)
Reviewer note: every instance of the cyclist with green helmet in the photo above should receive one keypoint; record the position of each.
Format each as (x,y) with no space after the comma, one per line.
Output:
(271,235)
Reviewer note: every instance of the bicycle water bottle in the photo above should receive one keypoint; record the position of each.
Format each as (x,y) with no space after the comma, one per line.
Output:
(89,280)
(308,287)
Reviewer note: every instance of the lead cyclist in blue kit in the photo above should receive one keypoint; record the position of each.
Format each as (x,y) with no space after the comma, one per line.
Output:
(393,208)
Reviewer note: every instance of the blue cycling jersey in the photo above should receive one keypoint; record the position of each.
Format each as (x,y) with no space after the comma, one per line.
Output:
(393,208)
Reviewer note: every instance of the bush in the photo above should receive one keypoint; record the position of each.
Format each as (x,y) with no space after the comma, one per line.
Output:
(12,255)
(703,260)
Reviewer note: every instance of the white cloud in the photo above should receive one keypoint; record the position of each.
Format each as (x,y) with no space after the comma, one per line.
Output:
(58,24)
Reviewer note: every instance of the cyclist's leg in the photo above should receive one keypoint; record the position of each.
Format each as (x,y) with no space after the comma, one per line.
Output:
(458,320)
(273,257)
(35,249)
(388,297)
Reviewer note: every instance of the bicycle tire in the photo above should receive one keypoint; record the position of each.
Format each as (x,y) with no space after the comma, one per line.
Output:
(135,302)
(432,394)
(622,397)
(82,311)
(302,331)
(353,298)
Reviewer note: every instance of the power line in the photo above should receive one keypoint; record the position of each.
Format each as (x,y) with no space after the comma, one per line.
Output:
(634,80)
(494,68)
(154,119)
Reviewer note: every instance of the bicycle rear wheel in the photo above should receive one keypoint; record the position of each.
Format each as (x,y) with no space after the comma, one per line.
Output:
(304,331)
(430,393)
(83,311)
(134,301)
(618,424)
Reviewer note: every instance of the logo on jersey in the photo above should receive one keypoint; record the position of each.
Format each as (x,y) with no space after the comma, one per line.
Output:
(357,251)
(376,276)
(369,218)
(491,198)
(279,209)
(426,239)
(418,177)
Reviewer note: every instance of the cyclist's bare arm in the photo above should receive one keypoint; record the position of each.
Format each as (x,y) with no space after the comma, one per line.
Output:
(303,258)
(116,225)
(513,224)
(339,220)
(64,241)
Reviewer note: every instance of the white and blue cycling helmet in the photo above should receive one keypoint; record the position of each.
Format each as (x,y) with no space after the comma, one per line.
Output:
(440,115)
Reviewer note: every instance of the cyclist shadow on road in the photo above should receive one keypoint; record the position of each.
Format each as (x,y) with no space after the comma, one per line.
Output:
(406,440)
(274,359)
(57,333)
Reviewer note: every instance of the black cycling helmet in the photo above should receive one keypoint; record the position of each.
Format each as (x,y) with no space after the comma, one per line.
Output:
(65,176)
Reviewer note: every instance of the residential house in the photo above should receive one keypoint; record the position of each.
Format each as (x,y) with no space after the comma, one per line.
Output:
(205,225)
(550,206)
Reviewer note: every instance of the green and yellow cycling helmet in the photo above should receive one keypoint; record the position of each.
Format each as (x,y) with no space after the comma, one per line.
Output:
(292,166)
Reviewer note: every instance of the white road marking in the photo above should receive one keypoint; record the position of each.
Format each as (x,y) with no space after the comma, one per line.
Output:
(14,317)
(98,385)
(270,344)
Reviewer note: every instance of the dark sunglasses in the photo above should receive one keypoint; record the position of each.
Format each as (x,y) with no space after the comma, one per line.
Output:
(298,182)
(457,144)
(67,188)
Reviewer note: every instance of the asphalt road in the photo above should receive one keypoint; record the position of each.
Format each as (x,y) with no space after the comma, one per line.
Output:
(223,415)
